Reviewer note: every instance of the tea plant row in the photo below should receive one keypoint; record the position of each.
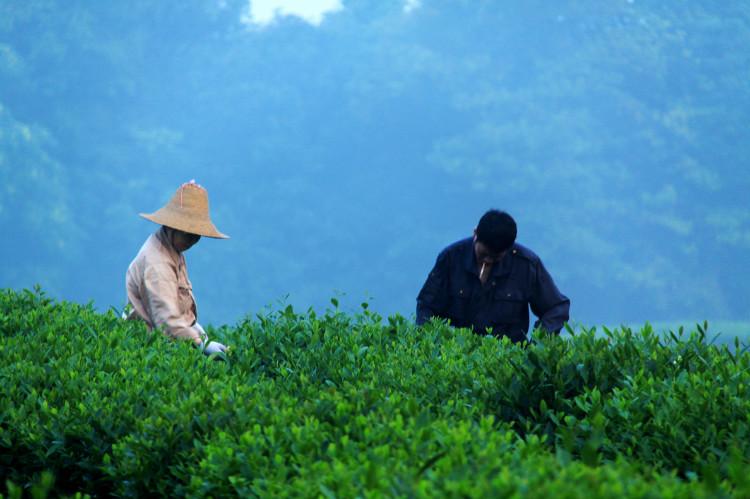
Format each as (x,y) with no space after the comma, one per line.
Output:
(340,405)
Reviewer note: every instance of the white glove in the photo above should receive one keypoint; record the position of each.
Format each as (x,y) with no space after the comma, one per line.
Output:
(214,347)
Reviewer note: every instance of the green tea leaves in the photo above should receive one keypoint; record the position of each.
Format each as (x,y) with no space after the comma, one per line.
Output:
(348,405)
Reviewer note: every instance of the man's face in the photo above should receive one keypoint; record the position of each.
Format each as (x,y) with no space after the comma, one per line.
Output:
(484,254)
(183,241)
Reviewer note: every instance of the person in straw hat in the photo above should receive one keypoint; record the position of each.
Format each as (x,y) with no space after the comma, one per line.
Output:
(157,284)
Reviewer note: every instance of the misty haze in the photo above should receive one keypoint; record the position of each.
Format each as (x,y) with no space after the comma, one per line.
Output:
(344,144)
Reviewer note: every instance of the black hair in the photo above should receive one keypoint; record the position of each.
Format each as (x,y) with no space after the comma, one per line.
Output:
(497,230)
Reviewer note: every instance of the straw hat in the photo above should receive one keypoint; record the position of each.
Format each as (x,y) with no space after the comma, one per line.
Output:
(187,211)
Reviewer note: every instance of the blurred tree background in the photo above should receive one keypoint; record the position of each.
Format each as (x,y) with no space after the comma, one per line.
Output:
(342,156)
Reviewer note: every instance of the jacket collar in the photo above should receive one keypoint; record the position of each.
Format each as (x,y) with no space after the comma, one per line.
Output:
(162,235)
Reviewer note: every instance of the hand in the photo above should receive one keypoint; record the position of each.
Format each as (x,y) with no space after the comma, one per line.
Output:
(202,333)
(214,347)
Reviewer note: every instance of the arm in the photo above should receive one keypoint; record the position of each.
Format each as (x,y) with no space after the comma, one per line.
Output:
(547,303)
(163,304)
(432,299)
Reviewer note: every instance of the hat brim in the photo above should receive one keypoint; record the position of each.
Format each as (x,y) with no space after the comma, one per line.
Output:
(201,228)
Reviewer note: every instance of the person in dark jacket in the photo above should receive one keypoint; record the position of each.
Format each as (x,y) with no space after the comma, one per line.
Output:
(487,283)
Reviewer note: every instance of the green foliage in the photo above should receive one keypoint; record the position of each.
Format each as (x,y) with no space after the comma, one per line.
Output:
(346,405)
(616,133)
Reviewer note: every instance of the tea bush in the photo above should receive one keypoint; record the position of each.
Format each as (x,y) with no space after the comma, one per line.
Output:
(341,405)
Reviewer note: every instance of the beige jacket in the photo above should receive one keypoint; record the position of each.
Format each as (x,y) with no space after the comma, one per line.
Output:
(159,289)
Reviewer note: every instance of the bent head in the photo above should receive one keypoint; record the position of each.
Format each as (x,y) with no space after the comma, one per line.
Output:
(494,235)
(485,255)
(182,241)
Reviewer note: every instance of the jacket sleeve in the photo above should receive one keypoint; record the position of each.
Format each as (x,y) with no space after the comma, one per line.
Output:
(433,298)
(547,303)
(165,304)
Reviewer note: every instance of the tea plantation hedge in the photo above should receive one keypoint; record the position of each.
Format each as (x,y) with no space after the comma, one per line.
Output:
(343,405)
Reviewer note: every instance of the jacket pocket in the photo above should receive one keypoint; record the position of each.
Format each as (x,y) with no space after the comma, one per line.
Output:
(185,295)
(458,308)
(508,306)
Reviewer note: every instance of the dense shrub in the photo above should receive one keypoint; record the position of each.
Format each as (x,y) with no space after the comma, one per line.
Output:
(354,404)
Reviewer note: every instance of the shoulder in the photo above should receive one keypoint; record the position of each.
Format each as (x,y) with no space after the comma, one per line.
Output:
(459,247)
(525,254)
(155,253)
(456,249)
(154,258)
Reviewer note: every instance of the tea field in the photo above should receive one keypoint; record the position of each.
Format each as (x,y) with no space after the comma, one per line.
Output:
(357,405)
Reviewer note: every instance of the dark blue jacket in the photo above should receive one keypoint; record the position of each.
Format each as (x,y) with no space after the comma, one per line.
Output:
(453,291)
